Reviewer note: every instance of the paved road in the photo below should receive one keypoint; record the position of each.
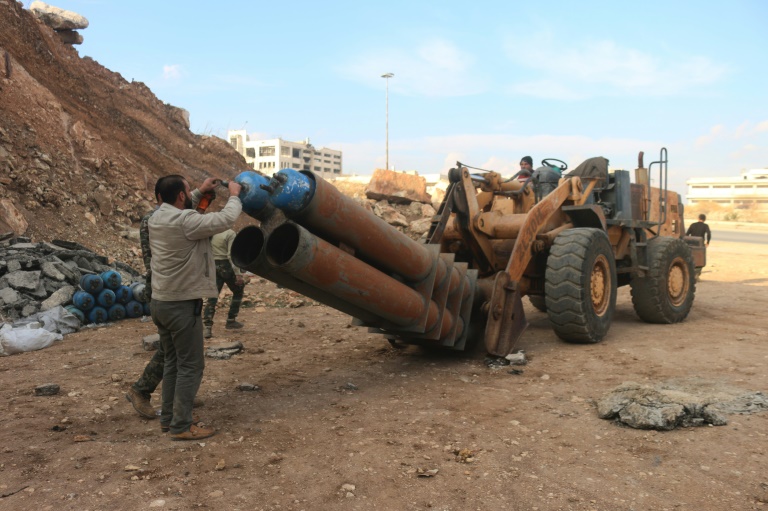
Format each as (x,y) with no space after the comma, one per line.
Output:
(740,236)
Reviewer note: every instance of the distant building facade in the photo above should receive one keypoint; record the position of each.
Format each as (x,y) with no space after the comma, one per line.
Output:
(751,188)
(275,154)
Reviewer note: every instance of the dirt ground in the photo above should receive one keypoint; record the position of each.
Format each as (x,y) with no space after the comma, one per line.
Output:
(344,421)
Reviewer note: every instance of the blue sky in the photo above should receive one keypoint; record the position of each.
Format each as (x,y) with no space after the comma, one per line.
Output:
(481,82)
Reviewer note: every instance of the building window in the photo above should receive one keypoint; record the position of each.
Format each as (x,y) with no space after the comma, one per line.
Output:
(268,150)
(326,169)
(297,166)
(233,141)
(296,153)
(700,187)
(285,150)
(317,169)
(250,152)
(337,156)
(337,171)
(722,186)
(251,165)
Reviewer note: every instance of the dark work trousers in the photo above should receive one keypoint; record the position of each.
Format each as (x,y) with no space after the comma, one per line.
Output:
(181,336)
(153,373)
(224,275)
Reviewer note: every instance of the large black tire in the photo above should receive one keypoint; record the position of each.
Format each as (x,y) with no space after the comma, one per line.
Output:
(666,294)
(539,302)
(580,285)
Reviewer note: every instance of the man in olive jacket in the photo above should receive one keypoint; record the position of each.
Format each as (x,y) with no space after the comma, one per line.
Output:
(183,273)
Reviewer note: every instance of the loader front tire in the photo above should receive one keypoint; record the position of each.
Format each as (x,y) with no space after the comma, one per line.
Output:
(539,302)
(666,294)
(580,285)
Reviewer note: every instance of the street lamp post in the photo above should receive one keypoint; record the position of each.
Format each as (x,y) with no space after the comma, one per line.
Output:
(386,77)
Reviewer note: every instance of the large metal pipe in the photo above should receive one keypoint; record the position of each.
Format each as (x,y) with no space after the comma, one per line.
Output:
(297,252)
(320,207)
(248,253)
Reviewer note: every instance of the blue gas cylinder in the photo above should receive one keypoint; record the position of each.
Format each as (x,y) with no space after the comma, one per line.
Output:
(116,312)
(134,309)
(112,279)
(293,190)
(123,294)
(83,300)
(147,311)
(139,290)
(106,298)
(253,197)
(91,283)
(76,312)
(98,315)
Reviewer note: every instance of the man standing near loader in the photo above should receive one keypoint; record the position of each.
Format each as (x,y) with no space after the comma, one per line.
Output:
(226,273)
(700,229)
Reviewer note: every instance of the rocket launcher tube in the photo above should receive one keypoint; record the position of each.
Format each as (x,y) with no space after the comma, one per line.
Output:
(310,201)
(296,251)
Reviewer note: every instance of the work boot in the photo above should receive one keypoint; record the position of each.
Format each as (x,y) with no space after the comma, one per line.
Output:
(165,428)
(207,331)
(194,433)
(140,404)
(233,324)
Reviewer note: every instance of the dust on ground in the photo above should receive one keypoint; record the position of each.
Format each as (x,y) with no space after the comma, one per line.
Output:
(342,420)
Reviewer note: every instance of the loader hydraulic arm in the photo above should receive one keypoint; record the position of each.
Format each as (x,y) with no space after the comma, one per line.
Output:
(506,319)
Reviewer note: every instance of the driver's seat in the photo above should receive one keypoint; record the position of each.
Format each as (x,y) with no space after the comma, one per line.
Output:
(593,168)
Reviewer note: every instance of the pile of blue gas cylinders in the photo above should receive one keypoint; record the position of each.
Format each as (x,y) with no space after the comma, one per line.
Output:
(103,298)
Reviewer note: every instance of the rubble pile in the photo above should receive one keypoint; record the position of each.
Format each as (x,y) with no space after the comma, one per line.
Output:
(35,277)
(81,147)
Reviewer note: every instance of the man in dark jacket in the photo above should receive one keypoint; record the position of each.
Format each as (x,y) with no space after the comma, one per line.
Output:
(700,229)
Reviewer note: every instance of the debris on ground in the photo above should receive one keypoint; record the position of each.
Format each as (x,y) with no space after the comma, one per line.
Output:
(224,351)
(666,406)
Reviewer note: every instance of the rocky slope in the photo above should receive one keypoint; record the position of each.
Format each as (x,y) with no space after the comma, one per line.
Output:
(81,147)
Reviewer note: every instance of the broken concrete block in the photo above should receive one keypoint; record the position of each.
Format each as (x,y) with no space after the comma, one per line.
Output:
(57,18)
(397,187)
(24,280)
(59,297)
(9,296)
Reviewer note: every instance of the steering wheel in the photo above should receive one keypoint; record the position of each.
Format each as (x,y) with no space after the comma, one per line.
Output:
(562,167)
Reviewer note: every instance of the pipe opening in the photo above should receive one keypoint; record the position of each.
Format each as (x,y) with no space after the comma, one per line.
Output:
(247,246)
(282,244)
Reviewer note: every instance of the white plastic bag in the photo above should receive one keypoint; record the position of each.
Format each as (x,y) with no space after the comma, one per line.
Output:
(19,340)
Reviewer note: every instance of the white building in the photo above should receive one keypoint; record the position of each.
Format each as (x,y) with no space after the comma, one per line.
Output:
(751,188)
(274,154)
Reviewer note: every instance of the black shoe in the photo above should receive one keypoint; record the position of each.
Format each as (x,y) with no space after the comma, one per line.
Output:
(233,324)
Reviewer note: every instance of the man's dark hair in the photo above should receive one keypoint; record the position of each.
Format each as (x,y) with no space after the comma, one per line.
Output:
(527,159)
(168,187)
(702,217)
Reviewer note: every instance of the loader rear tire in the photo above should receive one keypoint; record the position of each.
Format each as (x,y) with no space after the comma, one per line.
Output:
(539,302)
(580,285)
(666,294)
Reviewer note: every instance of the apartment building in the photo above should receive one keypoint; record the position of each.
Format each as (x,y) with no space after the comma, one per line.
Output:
(274,154)
(750,188)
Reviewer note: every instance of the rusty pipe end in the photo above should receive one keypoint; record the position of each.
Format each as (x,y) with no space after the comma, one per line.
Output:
(247,247)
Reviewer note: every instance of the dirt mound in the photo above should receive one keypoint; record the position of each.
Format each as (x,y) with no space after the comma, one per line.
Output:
(81,147)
